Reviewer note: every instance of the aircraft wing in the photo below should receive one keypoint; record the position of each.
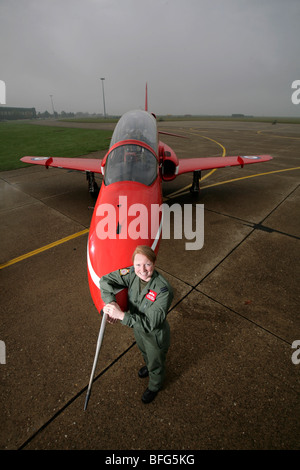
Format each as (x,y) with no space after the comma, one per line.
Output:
(79,164)
(209,163)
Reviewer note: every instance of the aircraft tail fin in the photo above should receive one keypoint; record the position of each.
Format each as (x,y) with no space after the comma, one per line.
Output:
(146,98)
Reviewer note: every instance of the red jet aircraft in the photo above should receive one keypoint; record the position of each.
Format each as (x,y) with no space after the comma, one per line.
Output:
(133,170)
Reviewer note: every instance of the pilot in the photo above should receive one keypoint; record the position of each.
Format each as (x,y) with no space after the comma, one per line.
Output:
(149,298)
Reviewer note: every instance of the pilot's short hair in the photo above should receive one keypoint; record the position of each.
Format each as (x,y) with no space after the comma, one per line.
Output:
(146,251)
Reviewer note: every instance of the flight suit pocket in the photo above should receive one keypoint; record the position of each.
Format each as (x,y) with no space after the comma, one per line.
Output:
(163,337)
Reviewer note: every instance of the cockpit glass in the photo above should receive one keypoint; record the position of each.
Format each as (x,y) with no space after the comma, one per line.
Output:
(136,125)
(130,163)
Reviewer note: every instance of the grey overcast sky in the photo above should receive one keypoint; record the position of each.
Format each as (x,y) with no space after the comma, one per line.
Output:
(197,56)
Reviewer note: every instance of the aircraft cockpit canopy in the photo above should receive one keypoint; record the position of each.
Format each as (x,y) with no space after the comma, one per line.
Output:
(136,125)
(130,163)
(133,162)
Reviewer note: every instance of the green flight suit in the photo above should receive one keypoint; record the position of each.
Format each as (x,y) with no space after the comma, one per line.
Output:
(147,311)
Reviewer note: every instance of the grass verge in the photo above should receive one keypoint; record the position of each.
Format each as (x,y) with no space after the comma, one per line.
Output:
(20,139)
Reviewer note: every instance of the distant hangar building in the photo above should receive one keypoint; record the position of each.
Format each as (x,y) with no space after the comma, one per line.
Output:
(7,113)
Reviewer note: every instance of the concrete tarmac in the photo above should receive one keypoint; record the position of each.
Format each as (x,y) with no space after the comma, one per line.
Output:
(233,367)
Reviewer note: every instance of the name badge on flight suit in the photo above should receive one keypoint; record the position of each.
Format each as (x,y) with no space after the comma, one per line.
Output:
(151,295)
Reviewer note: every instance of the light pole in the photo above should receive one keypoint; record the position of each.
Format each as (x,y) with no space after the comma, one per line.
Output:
(102,80)
(51,96)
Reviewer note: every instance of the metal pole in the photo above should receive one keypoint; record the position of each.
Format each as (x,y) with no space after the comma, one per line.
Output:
(99,343)
(51,96)
(102,79)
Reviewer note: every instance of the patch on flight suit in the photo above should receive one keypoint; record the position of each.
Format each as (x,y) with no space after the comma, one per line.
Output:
(124,271)
(164,289)
(151,295)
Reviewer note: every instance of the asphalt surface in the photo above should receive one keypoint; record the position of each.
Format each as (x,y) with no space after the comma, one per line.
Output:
(232,371)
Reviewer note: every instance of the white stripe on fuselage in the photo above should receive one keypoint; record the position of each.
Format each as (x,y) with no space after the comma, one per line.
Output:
(94,275)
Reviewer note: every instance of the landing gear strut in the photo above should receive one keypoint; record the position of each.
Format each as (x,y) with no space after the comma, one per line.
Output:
(93,186)
(195,188)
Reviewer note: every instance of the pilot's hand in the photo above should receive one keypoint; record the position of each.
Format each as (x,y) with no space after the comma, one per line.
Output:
(113,312)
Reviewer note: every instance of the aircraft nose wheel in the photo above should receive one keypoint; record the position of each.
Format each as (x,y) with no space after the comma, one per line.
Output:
(93,186)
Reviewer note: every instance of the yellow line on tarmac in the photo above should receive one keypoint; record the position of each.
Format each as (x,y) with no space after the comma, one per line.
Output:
(268,134)
(236,179)
(250,176)
(43,248)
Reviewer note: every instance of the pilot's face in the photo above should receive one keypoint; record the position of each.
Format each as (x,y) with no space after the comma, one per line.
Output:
(143,267)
